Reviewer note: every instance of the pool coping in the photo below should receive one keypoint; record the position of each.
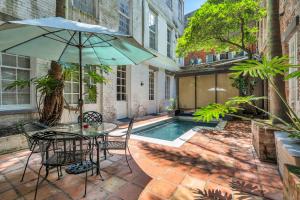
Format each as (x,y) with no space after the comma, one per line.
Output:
(178,141)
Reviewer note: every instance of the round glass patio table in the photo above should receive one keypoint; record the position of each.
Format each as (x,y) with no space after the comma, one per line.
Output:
(94,131)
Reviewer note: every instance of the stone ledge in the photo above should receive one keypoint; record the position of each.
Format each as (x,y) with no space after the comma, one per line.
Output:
(287,150)
(12,143)
(291,182)
(263,141)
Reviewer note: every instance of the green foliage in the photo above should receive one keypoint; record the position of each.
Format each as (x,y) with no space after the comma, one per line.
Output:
(214,112)
(19,84)
(244,84)
(222,25)
(263,70)
(266,69)
(171,104)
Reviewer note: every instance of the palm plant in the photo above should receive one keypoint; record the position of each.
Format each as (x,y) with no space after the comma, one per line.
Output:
(265,70)
(50,100)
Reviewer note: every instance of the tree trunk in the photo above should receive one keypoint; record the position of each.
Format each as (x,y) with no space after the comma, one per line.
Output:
(54,102)
(277,107)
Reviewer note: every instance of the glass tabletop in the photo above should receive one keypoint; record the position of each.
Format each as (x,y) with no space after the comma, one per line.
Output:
(93,130)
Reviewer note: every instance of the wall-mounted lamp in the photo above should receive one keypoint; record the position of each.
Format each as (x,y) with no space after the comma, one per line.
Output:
(142,83)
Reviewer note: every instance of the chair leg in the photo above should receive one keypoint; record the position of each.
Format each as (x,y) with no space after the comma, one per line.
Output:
(37,183)
(26,166)
(85,183)
(127,159)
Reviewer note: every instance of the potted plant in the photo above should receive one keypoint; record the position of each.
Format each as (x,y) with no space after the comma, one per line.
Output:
(171,107)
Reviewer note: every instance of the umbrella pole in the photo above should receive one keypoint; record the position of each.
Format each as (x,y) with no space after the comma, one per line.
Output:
(80,101)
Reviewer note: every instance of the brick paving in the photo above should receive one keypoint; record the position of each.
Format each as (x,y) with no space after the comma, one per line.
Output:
(215,164)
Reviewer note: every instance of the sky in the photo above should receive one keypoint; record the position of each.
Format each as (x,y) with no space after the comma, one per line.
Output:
(191,5)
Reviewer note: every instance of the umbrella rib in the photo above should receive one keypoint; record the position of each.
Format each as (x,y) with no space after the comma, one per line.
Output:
(96,54)
(66,47)
(54,34)
(71,36)
(102,42)
(67,42)
(117,50)
(87,40)
(30,40)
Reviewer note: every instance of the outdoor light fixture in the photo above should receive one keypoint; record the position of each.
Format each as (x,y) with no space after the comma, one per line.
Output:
(142,83)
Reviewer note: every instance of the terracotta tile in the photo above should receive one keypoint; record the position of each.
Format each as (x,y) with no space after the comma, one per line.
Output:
(247,176)
(193,183)
(183,193)
(199,173)
(245,196)
(272,193)
(246,187)
(161,188)
(9,195)
(221,179)
(148,196)
(173,176)
(129,191)
(141,180)
(44,192)
(113,184)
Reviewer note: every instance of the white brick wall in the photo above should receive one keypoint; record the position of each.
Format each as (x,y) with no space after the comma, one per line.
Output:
(26,9)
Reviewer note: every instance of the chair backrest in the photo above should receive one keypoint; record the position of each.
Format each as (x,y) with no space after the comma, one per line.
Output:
(91,117)
(24,129)
(63,148)
(129,130)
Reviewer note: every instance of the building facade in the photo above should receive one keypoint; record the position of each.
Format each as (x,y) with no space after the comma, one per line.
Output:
(135,90)
(290,36)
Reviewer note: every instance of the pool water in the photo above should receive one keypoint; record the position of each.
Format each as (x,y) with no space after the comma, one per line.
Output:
(169,130)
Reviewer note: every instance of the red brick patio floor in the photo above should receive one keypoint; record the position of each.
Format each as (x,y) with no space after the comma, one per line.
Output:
(216,164)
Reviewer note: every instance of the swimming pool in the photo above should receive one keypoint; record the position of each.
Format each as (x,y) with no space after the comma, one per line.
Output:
(172,132)
(169,130)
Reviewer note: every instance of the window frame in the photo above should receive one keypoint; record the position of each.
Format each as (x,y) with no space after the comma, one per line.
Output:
(17,91)
(170,4)
(151,85)
(84,86)
(124,15)
(155,32)
(180,10)
(167,87)
(121,94)
(169,42)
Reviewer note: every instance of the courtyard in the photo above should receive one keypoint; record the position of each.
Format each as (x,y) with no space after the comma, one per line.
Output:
(212,164)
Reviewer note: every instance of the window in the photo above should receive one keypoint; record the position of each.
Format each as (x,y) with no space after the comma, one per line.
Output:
(152,29)
(169,3)
(151,85)
(90,87)
(86,6)
(169,42)
(124,20)
(180,10)
(71,89)
(167,87)
(121,83)
(14,68)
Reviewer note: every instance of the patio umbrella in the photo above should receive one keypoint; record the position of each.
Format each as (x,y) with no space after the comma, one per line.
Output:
(59,39)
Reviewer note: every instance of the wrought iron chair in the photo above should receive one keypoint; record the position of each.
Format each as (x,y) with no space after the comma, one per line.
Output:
(118,143)
(62,149)
(24,129)
(91,117)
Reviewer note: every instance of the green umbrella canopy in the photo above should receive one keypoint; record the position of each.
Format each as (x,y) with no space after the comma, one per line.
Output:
(68,41)
(59,39)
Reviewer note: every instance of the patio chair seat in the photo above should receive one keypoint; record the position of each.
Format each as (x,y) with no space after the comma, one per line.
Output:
(112,145)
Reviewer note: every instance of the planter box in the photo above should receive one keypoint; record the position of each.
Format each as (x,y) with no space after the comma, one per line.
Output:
(263,141)
(288,151)
(291,182)
(12,143)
